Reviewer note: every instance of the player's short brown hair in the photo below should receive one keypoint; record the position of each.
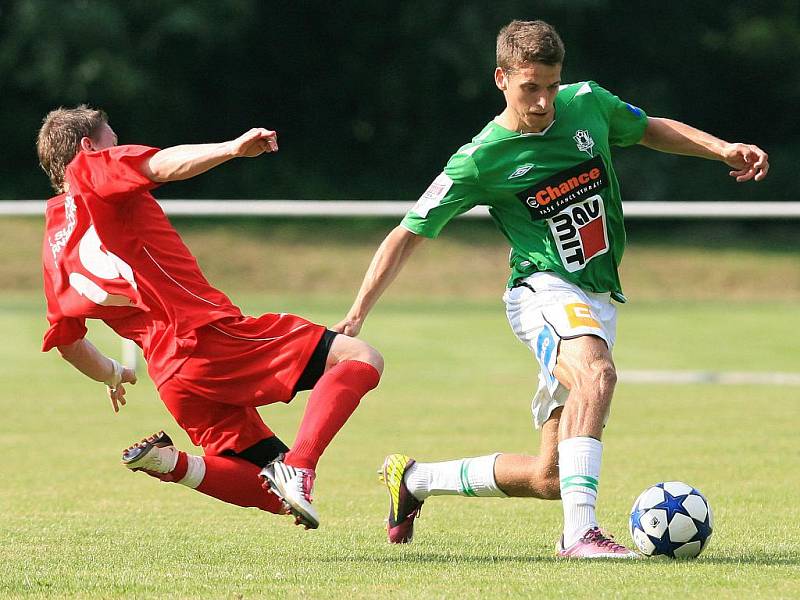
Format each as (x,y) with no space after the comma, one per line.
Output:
(60,136)
(525,42)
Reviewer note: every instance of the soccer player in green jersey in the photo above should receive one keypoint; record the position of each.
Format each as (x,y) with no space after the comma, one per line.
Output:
(543,167)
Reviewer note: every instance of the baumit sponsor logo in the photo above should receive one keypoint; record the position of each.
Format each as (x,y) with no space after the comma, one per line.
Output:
(580,232)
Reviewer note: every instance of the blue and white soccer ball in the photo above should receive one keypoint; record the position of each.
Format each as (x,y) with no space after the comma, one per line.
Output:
(671,519)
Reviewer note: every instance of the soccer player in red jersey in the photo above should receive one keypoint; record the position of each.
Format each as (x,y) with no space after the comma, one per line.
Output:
(110,253)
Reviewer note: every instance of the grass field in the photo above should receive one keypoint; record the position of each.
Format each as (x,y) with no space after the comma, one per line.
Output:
(76,524)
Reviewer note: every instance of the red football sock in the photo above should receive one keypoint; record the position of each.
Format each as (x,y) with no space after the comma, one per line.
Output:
(181,466)
(333,399)
(236,481)
(227,478)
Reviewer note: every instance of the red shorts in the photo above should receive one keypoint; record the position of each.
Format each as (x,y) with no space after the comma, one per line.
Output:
(239,363)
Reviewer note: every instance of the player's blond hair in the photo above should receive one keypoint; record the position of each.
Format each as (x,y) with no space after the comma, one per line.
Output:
(60,137)
(525,42)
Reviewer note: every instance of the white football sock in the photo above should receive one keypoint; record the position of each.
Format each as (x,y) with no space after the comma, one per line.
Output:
(579,469)
(195,471)
(463,477)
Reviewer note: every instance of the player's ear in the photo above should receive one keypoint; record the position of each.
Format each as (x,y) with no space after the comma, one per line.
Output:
(500,79)
(86,144)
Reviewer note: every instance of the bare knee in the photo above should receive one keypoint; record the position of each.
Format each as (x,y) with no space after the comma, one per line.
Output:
(585,363)
(599,372)
(606,374)
(594,383)
(371,356)
(345,348)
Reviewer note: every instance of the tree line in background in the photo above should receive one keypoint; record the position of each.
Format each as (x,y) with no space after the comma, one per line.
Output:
(370,99)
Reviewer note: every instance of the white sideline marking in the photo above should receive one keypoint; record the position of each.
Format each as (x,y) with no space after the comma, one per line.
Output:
(713,377)
(398,208)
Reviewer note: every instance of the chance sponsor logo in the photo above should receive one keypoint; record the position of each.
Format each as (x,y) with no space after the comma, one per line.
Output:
(563,189)
(580,233)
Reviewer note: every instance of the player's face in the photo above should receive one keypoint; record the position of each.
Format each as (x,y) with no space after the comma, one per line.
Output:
(103,138)
(530,93)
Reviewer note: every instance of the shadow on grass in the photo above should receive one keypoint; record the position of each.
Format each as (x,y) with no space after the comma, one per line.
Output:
(437,558)
(404,556)
(763,560)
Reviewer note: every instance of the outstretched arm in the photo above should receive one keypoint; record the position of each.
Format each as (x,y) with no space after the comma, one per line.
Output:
(91,362)
(746,160)
(187,161)
(390,257)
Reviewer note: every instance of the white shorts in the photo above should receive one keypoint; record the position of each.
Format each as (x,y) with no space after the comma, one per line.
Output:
(551,310)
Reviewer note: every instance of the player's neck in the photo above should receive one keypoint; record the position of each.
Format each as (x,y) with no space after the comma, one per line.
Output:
(508,119)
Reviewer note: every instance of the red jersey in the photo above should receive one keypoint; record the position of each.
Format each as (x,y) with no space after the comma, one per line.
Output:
(110,253)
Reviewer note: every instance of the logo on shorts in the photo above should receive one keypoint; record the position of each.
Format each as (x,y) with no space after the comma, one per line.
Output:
(584,141)
(565,188)
(580,315)
(521,170)
(580,233)
(547,354)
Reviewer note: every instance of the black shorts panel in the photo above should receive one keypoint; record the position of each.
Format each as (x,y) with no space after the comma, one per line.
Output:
(316,364)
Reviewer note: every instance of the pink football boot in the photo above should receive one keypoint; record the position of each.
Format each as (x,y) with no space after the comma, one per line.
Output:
(594,544)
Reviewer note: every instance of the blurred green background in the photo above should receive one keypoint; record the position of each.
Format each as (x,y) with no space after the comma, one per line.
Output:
(370,99)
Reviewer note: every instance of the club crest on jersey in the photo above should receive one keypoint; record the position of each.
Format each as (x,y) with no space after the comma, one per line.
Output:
(584,141)
(521,170)
(580,233)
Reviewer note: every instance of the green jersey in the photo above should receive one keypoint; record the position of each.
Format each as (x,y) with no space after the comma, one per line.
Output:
(554,195)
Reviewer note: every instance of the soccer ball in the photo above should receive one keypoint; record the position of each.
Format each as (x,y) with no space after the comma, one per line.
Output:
(673,519)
